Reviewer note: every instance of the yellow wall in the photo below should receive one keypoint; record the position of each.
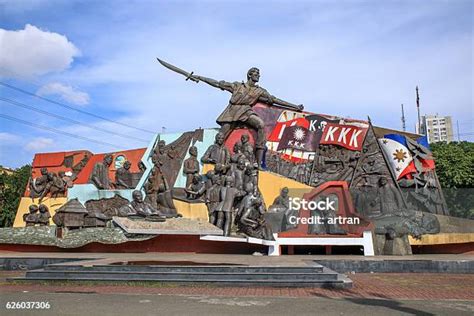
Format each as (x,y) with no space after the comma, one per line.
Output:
(192,210)
(52,203)
(443,238)
(207,167)
(270,185)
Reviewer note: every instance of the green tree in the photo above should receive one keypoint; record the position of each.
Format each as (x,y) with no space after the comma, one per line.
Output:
(12,187)
(455,170)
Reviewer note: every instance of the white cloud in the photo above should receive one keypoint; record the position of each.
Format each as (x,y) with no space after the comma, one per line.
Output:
(65,92)
(39,143)
(8,138)
(32,52)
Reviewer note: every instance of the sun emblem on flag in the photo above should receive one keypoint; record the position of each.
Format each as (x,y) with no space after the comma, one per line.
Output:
(400,155)
(299,134)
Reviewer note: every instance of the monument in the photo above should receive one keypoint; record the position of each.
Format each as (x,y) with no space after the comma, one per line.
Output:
(242,179)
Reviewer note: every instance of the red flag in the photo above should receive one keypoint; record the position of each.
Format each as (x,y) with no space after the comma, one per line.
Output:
(280,127)
(348,136)
(299,138)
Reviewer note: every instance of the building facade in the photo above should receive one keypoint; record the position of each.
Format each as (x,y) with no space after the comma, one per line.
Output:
(436,128)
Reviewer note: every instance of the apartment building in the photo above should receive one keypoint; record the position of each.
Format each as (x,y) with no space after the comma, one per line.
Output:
(437,128)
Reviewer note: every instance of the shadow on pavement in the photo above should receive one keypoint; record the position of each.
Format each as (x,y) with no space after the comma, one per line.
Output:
(392,304)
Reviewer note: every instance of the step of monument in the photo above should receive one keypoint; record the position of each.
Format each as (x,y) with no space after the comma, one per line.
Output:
(338,283)
(240,283)
(164,268)
(190,276)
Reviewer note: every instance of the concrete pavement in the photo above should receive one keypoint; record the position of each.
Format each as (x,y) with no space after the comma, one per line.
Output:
(71,303)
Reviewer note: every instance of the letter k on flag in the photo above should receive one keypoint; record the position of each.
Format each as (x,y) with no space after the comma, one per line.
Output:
(300,138)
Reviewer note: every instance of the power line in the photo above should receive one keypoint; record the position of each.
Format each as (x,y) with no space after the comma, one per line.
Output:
(11,118)
(73,108)
(29,107)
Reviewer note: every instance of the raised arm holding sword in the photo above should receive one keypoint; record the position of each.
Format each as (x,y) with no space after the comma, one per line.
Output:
(244,97)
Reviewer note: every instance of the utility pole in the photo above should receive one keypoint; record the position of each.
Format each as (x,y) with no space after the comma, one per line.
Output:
(418,108)
(457,128)
(403,120)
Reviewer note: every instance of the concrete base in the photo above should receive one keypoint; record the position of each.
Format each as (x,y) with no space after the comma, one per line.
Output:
(241,273)
(409,264)
(172,226)
(274,246)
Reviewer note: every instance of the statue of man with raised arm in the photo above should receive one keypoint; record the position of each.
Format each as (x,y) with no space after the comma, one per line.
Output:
(239,111)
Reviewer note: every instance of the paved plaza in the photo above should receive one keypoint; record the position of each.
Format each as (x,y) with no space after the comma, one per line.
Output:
(372,294)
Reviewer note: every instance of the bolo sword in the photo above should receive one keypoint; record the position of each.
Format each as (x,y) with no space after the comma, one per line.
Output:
(188,75)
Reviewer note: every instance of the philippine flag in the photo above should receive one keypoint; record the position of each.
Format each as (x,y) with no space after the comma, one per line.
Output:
(398,155)
(424,153)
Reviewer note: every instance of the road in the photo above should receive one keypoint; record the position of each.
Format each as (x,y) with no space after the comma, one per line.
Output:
(73,303)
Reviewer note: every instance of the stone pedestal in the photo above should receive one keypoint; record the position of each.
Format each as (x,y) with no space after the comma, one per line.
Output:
(399,246)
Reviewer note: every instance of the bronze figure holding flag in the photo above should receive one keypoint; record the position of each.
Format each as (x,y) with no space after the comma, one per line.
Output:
(239,111)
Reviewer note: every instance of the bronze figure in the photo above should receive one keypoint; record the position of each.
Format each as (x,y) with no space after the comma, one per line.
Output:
(281,202)
(31,218)
(225,208)
(239,111)
(140,208)
(38,185)
(247,148)
(44,215)
(213,198)
(55,185)
(196,189)
(191,165)
(123,176)
(237,171)
(252,222)
(100,174)
(164,201)
(217,153)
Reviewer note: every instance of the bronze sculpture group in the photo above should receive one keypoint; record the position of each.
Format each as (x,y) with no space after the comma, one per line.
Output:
(157,189)
(37,215)
(230,190)
(139,208)
(48,183)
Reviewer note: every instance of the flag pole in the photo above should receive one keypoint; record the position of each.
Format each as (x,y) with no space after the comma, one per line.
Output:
(360,157)
(403,120)
(418,109)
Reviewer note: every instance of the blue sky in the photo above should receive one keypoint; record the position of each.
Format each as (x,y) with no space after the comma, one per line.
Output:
(347,58)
